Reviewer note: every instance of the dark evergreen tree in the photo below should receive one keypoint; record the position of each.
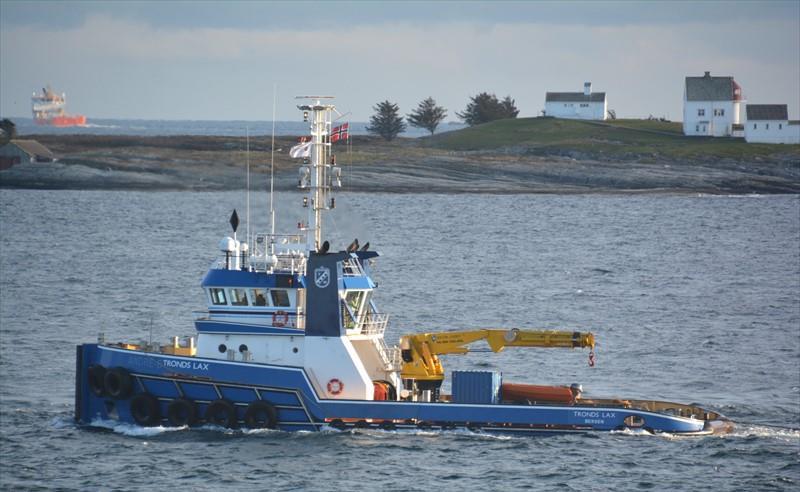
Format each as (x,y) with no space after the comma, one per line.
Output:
(427,115)
(509,108)
(386,121)
(9,130)
(485,107)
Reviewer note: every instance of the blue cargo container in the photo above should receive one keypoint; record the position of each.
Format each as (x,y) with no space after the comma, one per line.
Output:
(477,386)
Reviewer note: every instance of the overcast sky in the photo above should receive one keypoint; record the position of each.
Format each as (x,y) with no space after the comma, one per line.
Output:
(220,60)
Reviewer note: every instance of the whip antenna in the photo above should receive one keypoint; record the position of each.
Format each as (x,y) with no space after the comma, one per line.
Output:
(272,162)
(247,153)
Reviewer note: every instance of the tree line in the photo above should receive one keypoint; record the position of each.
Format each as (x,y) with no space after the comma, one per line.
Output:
(482,108)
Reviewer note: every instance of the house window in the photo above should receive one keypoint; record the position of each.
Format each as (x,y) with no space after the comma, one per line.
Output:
(755,125)
(697,128)
(719,112)
(701,112)
(767,126)
(780,126)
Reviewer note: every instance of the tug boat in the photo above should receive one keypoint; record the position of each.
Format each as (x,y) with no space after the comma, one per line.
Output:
(292,340)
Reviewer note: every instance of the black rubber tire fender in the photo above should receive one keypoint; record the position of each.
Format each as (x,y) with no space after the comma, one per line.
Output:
(95,376)
(338,424)
(118,383)
(145,410)
(260,414)
(181,412)
(222,413)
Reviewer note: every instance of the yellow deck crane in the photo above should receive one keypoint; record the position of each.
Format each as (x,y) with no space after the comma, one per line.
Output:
(422,370)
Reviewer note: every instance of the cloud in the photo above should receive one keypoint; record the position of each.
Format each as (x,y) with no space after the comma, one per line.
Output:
(641,67)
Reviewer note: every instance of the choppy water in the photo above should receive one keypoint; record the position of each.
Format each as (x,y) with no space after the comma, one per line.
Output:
(692,298)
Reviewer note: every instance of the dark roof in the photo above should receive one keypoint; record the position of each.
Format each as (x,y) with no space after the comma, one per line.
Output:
(575,97)
(767,112)
(33,148)
(708,88)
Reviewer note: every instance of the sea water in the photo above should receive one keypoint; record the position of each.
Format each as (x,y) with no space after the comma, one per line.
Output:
(232,128)
(693,299)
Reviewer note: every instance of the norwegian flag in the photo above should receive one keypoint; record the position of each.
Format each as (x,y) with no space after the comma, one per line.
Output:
(340,133)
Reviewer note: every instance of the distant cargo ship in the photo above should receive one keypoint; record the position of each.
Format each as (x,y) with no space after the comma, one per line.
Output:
(48,109)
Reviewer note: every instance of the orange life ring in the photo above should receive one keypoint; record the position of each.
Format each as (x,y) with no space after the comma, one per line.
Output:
(335,386)
(280,318)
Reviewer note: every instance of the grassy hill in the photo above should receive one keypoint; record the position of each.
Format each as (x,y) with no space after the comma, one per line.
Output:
(611,139)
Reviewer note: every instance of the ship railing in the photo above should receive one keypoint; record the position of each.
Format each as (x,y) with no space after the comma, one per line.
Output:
(351,267)
(373,323)
(283,263)
(289,251)
(389,356)
(273,317)
(281,244)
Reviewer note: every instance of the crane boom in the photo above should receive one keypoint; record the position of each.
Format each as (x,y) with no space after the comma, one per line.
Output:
(420,351)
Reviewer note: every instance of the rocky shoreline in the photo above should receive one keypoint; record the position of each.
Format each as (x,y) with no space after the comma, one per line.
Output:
(402,166)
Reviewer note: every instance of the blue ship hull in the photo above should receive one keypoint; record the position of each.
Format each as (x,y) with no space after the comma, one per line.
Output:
(298,407)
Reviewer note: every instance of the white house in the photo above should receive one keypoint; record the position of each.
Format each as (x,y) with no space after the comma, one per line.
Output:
(711,106)
(769,123)
(584,105)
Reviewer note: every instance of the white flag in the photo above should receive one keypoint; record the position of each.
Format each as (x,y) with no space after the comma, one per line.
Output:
(300,150)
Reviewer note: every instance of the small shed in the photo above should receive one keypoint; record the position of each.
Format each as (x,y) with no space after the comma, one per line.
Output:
(18,151)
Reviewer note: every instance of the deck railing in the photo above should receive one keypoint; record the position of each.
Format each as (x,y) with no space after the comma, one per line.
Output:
(351,267)
(389,356)
(373,323)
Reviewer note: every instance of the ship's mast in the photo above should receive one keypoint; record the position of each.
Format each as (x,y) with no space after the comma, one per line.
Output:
(319,116)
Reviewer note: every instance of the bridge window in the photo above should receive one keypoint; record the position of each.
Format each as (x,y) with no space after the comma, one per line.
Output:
(280,298)
(259,297)
(218,297)
(238,297)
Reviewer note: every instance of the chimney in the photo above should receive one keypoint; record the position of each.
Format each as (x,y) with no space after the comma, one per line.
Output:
(587,88)
(707,75)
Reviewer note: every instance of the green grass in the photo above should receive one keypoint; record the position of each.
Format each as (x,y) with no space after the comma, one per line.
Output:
(613,138)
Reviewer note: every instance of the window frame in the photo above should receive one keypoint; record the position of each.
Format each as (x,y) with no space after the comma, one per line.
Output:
(213,296)
(254,297)
(275,303)
(233,294)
